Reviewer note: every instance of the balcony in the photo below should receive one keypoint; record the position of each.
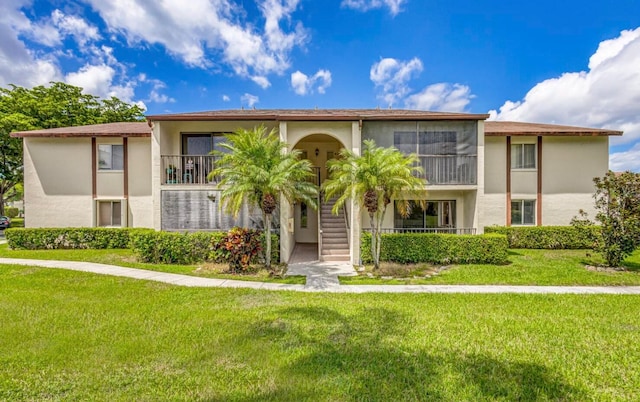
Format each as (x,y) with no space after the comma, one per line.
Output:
(187,169)
(450,169)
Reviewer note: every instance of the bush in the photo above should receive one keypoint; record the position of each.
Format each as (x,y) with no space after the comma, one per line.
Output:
(68,238)
(239,247)
(11,212)
(548,237)
(183,248)
(172,247)
(437,248)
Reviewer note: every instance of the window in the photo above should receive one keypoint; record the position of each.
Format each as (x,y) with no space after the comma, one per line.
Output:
(109,213)
(523,156)
(437,214)
(523,212)
(202,144)
(304,215)
(110,157)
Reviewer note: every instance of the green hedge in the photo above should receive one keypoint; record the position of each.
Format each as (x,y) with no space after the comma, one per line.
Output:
(437,248)
(548,237)
(149,245)
(184,248)
(68,238)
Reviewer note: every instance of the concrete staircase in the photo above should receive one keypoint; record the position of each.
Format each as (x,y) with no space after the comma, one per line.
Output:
(335,244)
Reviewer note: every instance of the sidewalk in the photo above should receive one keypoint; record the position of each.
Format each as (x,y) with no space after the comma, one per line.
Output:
(319,282)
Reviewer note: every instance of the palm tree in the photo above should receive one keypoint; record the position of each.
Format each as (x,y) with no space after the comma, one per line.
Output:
(256,168)
(374,179)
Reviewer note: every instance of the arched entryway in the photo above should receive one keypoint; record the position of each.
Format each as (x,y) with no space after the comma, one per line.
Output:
(309,223)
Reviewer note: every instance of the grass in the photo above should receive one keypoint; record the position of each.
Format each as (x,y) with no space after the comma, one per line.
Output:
(127,258)
(76,336)
(526,267)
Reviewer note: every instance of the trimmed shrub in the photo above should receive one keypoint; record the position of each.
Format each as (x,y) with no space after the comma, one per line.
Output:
(68,238)
(184,248)
(437,248)
(548,237)
(11,212)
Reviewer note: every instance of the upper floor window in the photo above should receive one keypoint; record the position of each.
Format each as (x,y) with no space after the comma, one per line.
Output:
(202,144)
(110,157)
(523,156)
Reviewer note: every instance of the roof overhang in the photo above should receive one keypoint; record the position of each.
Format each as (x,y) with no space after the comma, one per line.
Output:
(510,128)
(126,129)
(315,115)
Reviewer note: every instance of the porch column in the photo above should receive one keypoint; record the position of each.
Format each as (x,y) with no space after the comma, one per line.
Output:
(156,178)
(354,219)
(287,239)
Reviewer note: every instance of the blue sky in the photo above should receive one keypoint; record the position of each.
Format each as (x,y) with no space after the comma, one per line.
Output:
(565,62)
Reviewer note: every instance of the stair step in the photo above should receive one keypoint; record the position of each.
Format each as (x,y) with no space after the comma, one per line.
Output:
(338,251)
(337,241)
(334,230)
(334,225)
(336,258)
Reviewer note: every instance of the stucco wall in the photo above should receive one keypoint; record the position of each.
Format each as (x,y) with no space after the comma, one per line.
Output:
(569,165)
(140,199)
(57,177)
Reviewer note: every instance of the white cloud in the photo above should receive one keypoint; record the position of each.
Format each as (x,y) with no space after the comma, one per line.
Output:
(18,64)
(249,100)
(75,26)
(263,82)
(392,76)
(366,5)
(225,98)
(607,95)
(441,97)
(303,84)
(203,33)
(626,160)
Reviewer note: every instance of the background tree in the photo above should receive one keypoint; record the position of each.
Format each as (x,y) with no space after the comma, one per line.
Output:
(618,204)
(257,169)
(41,107)
(374,179)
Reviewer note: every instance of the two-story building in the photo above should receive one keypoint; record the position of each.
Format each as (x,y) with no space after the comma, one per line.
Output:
(156,173)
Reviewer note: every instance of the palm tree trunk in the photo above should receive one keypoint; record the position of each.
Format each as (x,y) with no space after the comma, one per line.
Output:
(379,236)
(267,233)
(374,242)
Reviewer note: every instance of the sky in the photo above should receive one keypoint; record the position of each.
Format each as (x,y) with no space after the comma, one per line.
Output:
(560,62)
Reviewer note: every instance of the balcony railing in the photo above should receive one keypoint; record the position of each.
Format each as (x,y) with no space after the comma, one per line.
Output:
(188,169)
(458,231)
(450,169)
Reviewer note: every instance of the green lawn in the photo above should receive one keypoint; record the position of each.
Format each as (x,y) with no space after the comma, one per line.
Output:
(77,336)
(525,267)
(127,258)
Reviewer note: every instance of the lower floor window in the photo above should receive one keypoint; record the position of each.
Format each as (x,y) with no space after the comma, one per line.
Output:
(109,213)
(436,214)
(523,212)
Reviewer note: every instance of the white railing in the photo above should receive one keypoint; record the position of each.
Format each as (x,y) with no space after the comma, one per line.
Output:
(188,169)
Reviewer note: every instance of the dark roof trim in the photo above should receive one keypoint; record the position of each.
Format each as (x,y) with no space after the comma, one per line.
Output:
(316,115)
(509,128)
(125,129)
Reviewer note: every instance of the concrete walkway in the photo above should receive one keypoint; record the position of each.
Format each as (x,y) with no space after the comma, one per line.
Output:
(321,283)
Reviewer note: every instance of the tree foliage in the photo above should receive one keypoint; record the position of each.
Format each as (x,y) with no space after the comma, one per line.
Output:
(42,107)
(256,168)
(374,179)
(617,200)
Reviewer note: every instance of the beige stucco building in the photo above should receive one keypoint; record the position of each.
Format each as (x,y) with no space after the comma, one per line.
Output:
(155,174)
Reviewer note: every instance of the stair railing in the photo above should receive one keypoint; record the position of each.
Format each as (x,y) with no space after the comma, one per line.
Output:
(319,225)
